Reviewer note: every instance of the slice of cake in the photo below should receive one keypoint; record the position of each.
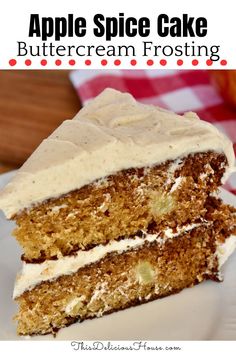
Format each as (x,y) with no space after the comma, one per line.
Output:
(116,208)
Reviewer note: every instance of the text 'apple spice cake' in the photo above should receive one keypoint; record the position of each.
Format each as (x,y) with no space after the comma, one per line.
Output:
(116,208)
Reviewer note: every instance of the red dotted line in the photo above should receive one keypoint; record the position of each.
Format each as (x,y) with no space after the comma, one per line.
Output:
(43,62)
(104,62)
(12,62)
(223,62)
(117,62)
(58,62)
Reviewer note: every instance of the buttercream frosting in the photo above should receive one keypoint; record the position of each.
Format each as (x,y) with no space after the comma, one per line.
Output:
(113,132)
(225,249)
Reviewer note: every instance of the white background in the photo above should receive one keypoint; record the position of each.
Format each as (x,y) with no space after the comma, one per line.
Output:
(65,347)
(14,26)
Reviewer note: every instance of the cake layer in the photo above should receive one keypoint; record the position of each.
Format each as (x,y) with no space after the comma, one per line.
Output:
(119,206)
(122,280)
(222,218)
(112,133)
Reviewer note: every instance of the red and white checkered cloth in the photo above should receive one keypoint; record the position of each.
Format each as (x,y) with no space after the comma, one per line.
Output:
(176,90)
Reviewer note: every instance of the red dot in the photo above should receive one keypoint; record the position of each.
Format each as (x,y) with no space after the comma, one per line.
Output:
(117,62)
(104,62)
(27,62)
(180,62)
(150,62)
(43,62)
(163,62)
(223,62)
(12,62)
(58,62)
(72,62)
(87,62)
(209,62)
(194,62)
(133,62)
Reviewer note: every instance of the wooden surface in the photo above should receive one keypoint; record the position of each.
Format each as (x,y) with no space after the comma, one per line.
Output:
(5,168)
(32,104)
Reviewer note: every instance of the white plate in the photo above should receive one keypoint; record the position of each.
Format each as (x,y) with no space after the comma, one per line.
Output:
(207,311)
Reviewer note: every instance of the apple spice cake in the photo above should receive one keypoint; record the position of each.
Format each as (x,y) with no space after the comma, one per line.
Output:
(116,208)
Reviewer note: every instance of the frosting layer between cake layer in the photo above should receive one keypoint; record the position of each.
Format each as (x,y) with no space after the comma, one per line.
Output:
(34,273)
(113,132)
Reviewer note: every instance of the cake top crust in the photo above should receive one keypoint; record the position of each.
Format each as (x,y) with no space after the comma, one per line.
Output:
(111,133)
